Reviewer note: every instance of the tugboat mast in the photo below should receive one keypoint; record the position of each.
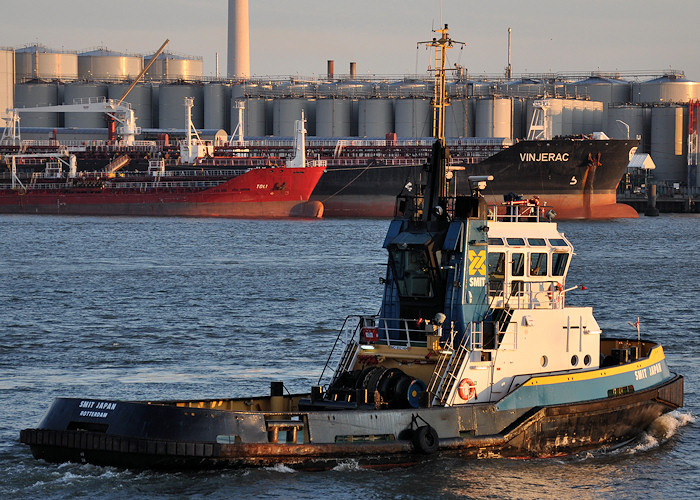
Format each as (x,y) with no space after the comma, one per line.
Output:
(436,189)
(440,99)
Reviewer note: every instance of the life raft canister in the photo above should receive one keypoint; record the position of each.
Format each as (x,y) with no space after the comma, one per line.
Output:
(467,389)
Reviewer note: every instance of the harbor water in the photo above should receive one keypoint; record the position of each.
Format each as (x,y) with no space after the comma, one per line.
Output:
(165,308)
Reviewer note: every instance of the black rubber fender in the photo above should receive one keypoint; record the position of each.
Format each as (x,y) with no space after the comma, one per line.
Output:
(425,440)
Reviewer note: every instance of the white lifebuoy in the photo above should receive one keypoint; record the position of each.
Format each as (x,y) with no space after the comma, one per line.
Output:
(467,389)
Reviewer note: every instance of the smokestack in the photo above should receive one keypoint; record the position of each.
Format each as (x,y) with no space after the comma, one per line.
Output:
(509,68)
(238,39)
(353,70)
(330,69)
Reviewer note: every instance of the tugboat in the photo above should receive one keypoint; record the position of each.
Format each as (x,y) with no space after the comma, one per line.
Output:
(473,352)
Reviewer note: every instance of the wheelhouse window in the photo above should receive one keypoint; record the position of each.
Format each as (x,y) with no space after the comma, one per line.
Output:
(538,264)
(559,261)
(411,269)
(516,241)
(497,271)
(536,242)
(518,264)
(558,242)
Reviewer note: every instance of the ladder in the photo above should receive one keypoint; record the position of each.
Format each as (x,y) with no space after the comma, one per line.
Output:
(447,369)
(346,360)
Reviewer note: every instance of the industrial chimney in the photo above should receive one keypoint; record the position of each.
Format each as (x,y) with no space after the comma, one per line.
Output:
(238,39)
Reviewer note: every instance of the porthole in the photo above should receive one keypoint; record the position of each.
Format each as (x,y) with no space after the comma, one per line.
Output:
(587,359)
(574,360)
(543,361)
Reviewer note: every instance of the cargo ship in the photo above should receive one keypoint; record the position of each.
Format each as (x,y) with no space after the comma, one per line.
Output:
(576,176)
(474,352)
(46,180)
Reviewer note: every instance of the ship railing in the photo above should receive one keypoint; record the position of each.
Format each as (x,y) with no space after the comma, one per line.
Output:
(490,336)
(517,294)
(360,333)
(521,211)
(316,163)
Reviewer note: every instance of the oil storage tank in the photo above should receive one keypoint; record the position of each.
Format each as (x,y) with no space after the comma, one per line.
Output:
(333,117)
(31,95)
(633,119)
(412,117)
(82,93)
(254,116)
(375,117)
(494,117)
(140,98)
(105,65)
(459,118)
(169,66)
(171,105)
(597,88)
(287,110)
(671,88)
(667,133)
(37,62)
(217,106)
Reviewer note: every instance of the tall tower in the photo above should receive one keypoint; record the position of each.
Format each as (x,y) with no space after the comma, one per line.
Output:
(238,39)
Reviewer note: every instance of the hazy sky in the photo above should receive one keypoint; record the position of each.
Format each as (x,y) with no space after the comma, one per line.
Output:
(298,37)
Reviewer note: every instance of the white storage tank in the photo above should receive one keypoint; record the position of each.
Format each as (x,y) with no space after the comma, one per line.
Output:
(217,106)
(253,117)
(286,111)
(37,62)
(667,134)
(171,106)
(7,83)
(140,98)
(413,117)
(375,118)
(84,92)
(666,89)
(333,117)
(606,90)
(169,66)
(494,117)
(105,65)
(31,95)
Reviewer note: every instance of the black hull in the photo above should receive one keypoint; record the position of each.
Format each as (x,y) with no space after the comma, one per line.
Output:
(573,176)
(172,437)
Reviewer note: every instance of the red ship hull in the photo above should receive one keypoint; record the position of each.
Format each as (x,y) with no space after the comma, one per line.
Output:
(261,192)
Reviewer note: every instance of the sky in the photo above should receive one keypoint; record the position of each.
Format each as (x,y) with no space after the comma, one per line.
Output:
(298,37)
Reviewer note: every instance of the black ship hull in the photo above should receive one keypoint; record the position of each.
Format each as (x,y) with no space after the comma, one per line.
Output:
(576,177)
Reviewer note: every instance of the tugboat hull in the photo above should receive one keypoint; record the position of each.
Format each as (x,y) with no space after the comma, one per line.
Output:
(165,436)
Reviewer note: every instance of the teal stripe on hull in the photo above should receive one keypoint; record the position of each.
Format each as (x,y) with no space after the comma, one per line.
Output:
(577,391)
